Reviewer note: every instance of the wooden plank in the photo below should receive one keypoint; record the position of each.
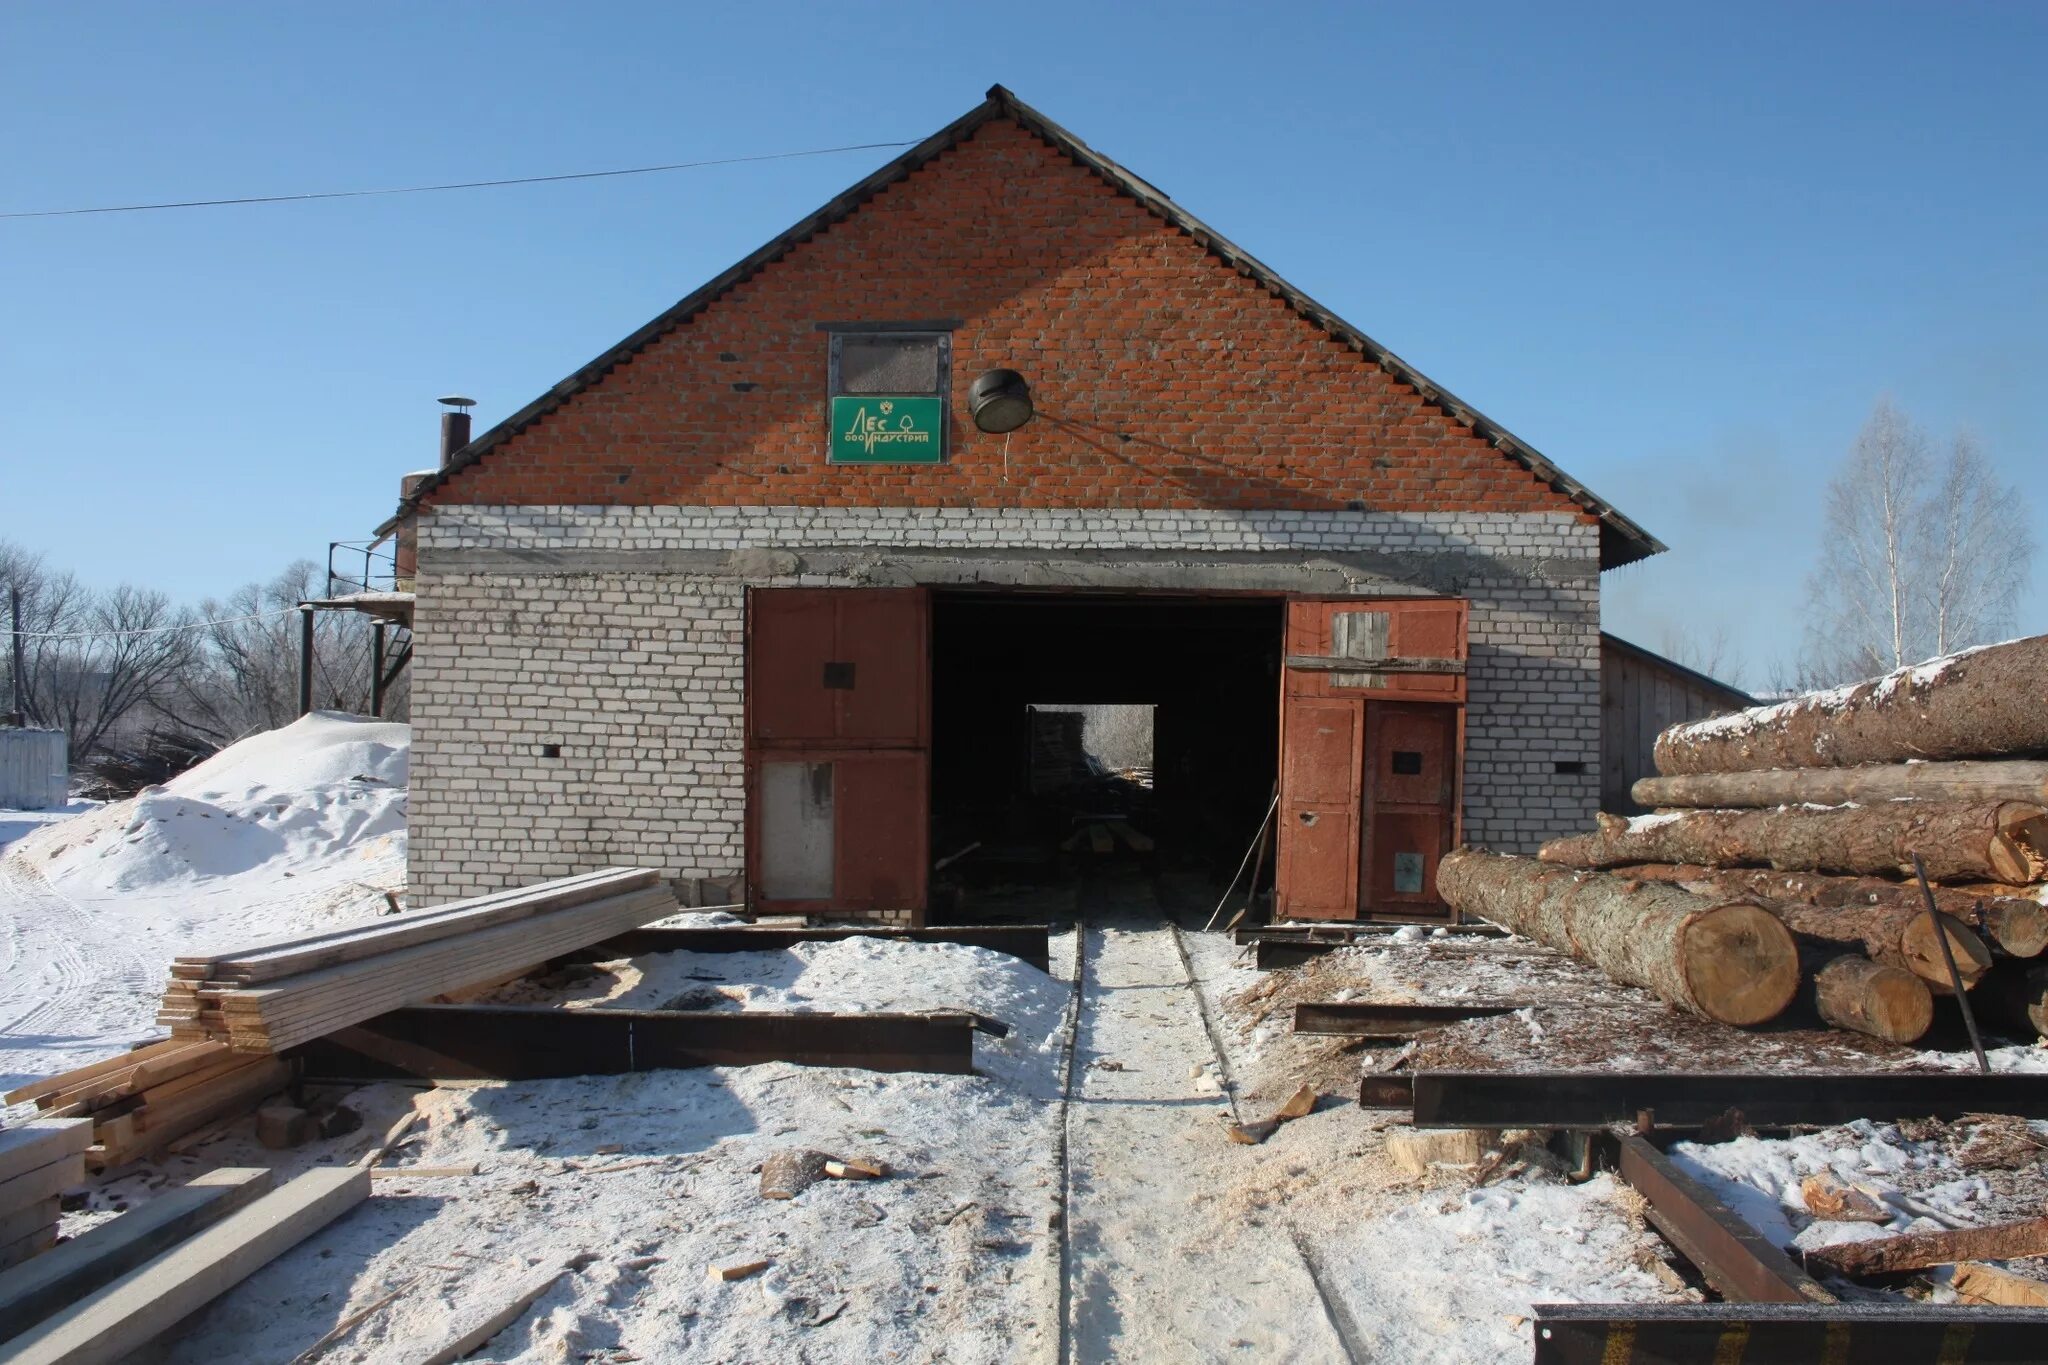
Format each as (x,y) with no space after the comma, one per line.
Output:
(475,1325)
(30,1187)
(292,956)
(50,1085)
(1785,1334)
(26,1219)
(39,1143)
(196,1110)
(26,1248)
(68,1273)
(1027,942)
(122,1316)
(514,1042)
(298,1009)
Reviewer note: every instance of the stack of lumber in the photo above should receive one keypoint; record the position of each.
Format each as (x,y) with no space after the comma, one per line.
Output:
(1810,813)
(134,1104)
(276,996)
(38,1162)
(230,1013)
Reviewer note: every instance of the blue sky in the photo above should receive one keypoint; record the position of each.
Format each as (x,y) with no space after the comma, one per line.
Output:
(1681,250)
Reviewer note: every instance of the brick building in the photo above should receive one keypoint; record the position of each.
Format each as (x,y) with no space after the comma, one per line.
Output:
(752,597)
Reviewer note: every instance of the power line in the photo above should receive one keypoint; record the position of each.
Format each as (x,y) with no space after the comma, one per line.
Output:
(151,630)
(457,185)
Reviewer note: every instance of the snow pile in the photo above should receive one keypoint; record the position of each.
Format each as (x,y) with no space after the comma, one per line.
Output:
(1527,1244)
(289,801)
(292,831)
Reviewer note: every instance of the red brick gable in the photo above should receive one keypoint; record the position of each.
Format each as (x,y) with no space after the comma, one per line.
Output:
(1163,375)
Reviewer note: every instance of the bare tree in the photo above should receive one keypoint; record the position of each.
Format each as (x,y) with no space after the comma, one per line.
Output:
(1917,559)
(1981,551)
(1711,652)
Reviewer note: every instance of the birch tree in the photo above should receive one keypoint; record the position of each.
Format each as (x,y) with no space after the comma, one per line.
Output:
(1919,556)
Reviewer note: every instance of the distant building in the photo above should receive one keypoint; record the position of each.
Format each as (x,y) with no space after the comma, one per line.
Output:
(1640,694)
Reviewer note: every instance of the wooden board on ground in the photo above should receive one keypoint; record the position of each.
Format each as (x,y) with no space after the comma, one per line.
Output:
(32,1292)
(122,1316)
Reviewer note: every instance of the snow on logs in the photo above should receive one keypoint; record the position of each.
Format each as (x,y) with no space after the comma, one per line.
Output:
(1987,702)
(2000,841)
(2013,780)
(1727,960)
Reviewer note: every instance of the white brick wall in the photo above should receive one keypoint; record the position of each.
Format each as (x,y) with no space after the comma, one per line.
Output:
(636,673)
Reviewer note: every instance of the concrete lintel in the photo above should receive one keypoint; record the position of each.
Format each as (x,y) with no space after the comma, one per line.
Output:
(1282,571)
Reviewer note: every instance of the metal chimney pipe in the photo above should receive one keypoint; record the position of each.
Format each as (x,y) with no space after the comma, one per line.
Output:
(454,426)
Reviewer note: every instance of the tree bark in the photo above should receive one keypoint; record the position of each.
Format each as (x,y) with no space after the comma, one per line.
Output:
(2015,996)
(1981,703)
(1852,992)
(1919,1250)
(1988,1284)
(1730,961)
(2006,915)
(2013,780)
(2002,841)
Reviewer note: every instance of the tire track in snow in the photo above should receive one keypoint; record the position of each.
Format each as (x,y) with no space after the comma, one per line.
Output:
(45,928)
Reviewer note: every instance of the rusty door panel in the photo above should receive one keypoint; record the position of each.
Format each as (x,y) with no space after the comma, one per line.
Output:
(790,636)
(838,686)
(1319,808)
(1410,802)
(882,636)
(1418,628)
(882,830)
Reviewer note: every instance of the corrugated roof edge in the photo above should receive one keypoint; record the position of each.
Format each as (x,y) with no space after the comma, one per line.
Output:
(1622,541)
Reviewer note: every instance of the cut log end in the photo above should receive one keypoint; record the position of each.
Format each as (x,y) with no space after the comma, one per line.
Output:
(1741,964)
(1922,949)
(2018,926)
(1855,993)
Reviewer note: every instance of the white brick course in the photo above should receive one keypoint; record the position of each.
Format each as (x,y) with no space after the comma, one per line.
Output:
(637,674)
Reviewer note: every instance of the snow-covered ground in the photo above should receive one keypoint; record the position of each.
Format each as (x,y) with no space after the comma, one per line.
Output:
(289,831)
(1017,1210)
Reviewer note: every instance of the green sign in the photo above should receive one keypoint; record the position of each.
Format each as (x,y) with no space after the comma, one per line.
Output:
(869,429)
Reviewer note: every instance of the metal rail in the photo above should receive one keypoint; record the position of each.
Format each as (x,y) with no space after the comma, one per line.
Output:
(1363,1019)
(1597,1099)
(1027,942)
(1787,1334)
(523,1043)
(1734,1257)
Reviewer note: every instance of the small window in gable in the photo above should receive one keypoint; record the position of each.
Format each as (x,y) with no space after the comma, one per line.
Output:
(888,398)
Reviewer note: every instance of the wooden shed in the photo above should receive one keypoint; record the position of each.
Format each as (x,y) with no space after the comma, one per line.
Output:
(1640,694)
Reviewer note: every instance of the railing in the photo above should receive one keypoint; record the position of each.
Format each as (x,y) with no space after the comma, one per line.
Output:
(360,566)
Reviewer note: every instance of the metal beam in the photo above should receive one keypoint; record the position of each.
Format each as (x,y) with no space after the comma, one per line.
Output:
(1362,1019)
(1386,1090)
(305,660)
(1596,1099)
(1734,1257)
(377,669)
(1787,1334)
(524,1043)
(1027,942)
(1344,935)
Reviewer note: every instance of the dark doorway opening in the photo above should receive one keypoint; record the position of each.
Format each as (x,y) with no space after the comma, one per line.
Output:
(1099,751)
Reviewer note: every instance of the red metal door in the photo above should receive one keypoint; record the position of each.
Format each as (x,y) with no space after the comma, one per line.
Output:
(1410,787)
(1352,667)
(838,718)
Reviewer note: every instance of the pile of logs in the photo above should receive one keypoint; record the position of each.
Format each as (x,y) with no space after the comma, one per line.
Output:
(1779,861)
